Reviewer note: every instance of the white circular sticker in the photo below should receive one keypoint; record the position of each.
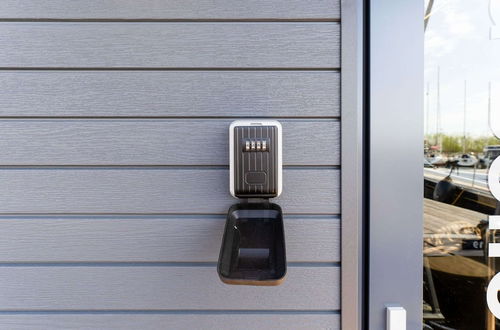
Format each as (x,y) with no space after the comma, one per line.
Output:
(493,178)
(492,295)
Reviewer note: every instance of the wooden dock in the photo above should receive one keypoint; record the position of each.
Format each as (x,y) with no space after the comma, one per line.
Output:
(446,226)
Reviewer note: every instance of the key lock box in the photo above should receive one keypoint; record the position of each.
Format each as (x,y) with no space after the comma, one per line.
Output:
(253,245)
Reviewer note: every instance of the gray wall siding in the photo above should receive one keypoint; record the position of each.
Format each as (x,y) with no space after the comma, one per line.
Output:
(150,238)
(186,320)
(154,93)
(154,287)
(153,190)
(169,45)
(154,142)
(175,10)
(111,216)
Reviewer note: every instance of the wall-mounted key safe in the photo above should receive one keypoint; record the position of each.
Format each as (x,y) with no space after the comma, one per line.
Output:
(255,159)
(253,245)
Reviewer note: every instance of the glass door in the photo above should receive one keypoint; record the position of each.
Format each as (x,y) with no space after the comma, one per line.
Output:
(460,149)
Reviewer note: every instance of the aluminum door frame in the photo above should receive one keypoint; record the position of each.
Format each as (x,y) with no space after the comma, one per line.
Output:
(352,164)
(395,101)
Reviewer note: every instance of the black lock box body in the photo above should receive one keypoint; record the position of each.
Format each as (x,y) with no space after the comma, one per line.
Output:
(255,159)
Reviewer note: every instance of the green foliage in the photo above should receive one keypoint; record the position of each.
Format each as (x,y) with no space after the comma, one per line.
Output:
(452,144)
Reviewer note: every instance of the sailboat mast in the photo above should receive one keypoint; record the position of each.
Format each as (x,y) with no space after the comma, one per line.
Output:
(489,105)
(465,118)
(438,113)
(489,112)
(427,113)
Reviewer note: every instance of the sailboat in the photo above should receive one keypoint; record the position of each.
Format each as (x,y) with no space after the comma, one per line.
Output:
(434,156)
(466,159)
(437,159)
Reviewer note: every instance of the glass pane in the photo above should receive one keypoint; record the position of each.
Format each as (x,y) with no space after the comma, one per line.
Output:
(462,126)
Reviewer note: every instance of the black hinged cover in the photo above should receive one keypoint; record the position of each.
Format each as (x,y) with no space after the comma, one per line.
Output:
(253,245)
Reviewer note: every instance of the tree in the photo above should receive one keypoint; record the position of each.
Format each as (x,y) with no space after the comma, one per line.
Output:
(451,144)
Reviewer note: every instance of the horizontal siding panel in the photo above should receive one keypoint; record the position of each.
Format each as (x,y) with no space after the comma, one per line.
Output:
(153,239)
(170,45)
(153,142)
(169,93)
(253,321)
(153,190)
(170,9)
(158,287)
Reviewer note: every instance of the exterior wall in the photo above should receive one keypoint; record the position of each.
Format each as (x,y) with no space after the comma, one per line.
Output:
(114,164)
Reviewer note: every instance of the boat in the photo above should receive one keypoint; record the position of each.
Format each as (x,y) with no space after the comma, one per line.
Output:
(490,154)
(466,160)
(428,164)
(437,159)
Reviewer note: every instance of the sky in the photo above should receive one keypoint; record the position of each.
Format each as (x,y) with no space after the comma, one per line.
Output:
(457,40)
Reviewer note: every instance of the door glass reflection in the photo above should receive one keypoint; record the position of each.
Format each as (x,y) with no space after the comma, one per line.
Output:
(462,126)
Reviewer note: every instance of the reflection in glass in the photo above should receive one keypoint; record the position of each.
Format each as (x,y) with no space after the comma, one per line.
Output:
(462,126)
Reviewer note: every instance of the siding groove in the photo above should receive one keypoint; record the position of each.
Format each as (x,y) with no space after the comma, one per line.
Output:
(172,20)
(180,69)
